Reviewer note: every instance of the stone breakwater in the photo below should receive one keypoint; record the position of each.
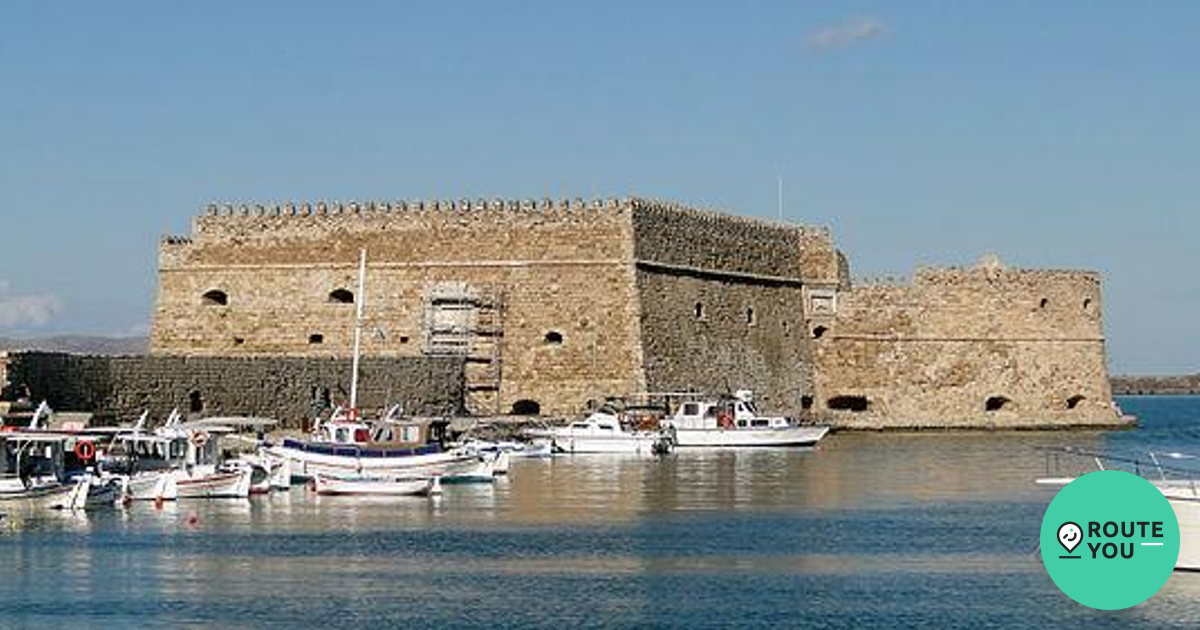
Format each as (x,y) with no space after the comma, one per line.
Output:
(1179,385)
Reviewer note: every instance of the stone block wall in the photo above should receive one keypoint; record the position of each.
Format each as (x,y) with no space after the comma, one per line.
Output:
(559,273)
(722,302)
(283,388)
(979,347)
(720,335)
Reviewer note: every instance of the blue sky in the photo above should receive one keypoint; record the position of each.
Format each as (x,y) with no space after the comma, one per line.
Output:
(1054,134)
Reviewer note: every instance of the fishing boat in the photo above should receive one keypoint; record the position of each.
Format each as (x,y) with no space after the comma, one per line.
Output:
(44,469)
(373,485)
(347,444)
(391,446)
(736,423)
(603,432)
(176,461)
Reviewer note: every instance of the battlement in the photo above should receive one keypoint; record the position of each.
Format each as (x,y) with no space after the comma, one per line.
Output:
(545,205)
(353,207)
(988,270)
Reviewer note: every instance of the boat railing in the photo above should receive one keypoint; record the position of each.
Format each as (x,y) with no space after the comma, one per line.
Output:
(1150,466)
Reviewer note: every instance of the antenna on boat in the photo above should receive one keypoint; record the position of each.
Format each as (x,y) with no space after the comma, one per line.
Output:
(358,319)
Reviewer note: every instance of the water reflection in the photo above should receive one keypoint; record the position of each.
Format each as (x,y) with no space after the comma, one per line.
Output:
(934,529)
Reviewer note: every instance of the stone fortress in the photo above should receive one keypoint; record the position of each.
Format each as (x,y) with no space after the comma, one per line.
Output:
(551,306)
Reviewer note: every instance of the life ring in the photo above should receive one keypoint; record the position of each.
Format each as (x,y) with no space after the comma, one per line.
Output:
(725,420)
(85,451)
(199,439)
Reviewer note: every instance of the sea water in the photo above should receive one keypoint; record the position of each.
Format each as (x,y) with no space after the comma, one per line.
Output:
(869,530)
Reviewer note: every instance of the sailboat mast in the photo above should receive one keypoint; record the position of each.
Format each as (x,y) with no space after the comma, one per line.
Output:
(358,320)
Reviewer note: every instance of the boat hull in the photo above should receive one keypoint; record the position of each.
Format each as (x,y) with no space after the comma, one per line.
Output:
(46,497)
(600,444)
(302,464)
(370,486)
(218,485)
(791,436)
(1184,497)
(151,486)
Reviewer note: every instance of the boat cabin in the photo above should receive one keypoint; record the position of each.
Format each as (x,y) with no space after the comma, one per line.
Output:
(730,414)
(30,457)
(388,433)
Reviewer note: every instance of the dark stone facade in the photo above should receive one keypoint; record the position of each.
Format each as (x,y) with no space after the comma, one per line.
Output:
(287,389)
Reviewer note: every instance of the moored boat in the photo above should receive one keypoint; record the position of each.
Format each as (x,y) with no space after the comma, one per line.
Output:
(1179,484)
(603,432)
(175,461)
(372,485)
(42,469)
(736,423)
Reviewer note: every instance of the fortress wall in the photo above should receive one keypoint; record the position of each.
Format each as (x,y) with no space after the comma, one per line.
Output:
(977,303)
(282,388)
(429,233)
(558,267)
(932,353)
(721,304)
(725,348)
(678,236)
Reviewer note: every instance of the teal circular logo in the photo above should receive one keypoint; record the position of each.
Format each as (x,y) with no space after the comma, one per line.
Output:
(1110,539)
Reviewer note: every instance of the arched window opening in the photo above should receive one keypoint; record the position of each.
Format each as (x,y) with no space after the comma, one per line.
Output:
(341,296)
(819,332)
(526,408)
(1044,303)
(806,402)
(554,338)
(751,320)
(699,310)
(237,341)
(316,338)
(1087,304)
(848,403)
(997,403)
(1074,401)
(404,339)
(195,402)
(215,298)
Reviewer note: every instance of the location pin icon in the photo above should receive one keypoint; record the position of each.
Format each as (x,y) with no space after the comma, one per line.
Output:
(1069,536)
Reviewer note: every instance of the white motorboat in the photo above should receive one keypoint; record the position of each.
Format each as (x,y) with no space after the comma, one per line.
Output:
(737,423)
(483,468)
(603,432)
(1182,491)
(372,485)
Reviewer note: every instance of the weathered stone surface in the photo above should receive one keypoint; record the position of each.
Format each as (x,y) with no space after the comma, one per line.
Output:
(283,388)
(933,352)
(555,304)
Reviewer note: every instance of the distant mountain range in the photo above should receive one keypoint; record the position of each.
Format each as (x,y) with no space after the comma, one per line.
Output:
(79,344)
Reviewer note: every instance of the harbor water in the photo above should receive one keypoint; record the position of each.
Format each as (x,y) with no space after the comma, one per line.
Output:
(869,530)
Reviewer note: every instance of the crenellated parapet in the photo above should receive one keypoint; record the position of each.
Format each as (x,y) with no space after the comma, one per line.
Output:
(353,207)
(673,234)
(987,300)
